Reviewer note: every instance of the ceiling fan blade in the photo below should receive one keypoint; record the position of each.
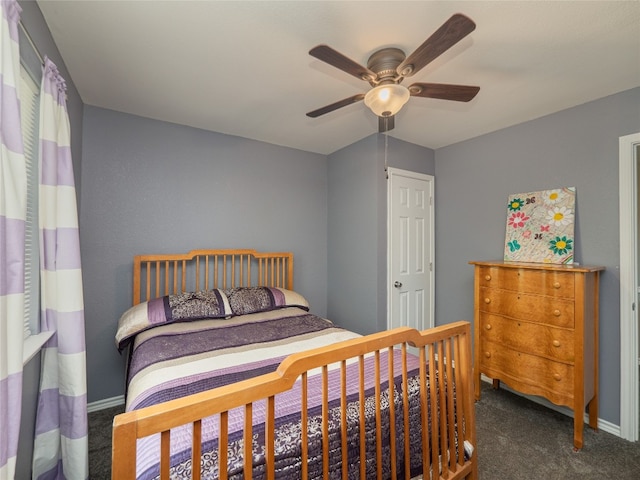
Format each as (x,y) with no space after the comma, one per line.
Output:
(450,33)
(336,105)
(386,123)
(338,60)
(444,91)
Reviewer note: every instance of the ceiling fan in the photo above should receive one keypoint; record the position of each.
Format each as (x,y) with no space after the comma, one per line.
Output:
(388,67)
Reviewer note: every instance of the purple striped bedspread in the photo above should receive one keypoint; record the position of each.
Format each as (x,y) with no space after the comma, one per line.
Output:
(179,359)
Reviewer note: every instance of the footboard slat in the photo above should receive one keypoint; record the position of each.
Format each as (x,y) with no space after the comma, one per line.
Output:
(196,450)
(392,413)
(248,441)
(433,396)
(304,420)
(423,413)
(325,422)
(442,414)
(361,418)
(405,413)
(165,453)
(270,439)
(441,369)
(223,440)
(343,419)
(378,417)
(450,420)
(460,390)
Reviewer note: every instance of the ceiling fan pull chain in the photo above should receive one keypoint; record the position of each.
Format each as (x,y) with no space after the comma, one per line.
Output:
(386,146)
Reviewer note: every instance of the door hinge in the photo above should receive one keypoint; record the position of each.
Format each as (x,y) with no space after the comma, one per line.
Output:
(431,266)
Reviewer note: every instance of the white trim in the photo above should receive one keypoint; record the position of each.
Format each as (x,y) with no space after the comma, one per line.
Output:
(106,403)
(431,240)
(603,425)
(33,344)
(629,386)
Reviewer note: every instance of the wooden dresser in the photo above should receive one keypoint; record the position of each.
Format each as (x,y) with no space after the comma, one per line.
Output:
(536,329)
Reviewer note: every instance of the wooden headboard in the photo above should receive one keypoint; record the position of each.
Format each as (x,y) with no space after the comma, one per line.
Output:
(158,275)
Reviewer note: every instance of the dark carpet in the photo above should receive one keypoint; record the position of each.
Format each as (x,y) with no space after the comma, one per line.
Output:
(521,440)
(517,440)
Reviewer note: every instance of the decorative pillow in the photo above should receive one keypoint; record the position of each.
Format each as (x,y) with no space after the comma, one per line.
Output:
(216,303)
(194,305)
(181,307)
(262,299)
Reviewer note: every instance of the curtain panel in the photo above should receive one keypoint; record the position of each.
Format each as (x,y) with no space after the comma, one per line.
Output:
(13,201)
(61,443)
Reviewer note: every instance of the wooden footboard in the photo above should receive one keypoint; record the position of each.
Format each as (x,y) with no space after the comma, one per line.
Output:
(446,420)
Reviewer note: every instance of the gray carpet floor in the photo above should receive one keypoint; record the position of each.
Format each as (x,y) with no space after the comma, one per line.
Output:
(517,440)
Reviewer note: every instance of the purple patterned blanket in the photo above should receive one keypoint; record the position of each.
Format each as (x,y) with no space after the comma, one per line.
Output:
(179,359)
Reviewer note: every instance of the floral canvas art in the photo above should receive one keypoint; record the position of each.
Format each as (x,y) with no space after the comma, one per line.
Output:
(540,226)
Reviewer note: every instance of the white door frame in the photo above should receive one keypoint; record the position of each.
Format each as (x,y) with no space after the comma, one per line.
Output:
(629,385)
(391,171)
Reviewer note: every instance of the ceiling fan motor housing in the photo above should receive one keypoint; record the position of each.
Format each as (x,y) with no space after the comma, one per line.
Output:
(384,63)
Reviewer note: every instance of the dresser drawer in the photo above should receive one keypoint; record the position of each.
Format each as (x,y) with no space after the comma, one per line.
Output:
(555,284)
(542,340)
(533,374)
(535,308)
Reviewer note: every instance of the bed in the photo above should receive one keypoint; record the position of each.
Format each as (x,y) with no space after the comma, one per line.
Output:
(230,376)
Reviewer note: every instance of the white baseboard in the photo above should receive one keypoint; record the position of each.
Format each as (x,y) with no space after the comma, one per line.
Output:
(603,425)
(106,403)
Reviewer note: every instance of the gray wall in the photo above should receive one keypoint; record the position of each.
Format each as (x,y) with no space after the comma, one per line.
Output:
(156,187)
(357,235)
(576,147)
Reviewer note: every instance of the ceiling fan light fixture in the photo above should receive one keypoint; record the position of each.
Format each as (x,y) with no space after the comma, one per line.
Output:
(386,100)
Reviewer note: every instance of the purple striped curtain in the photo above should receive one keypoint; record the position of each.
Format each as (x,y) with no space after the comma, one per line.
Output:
(61,443)
(13,209)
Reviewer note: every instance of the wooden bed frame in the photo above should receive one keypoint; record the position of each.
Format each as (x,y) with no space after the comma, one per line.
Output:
(448,346)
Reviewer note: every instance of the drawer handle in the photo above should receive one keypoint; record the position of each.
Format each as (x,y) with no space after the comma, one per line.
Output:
(487,354)
(556,312)
(557,377)
(556,285)
(488,326)
(487,300)
(556,343)
(487,277)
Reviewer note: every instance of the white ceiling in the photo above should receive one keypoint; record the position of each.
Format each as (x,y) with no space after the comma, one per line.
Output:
(243,68)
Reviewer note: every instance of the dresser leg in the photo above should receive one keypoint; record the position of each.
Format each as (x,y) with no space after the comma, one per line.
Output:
(577,435)
(496,384)
(578,425)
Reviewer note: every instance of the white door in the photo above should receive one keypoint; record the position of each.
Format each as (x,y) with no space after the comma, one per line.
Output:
(410,250)
(629,294)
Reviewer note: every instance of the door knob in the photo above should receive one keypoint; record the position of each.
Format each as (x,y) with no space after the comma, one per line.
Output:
(397,284)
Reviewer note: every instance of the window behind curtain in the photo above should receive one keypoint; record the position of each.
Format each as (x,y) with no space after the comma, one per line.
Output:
(29,105)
